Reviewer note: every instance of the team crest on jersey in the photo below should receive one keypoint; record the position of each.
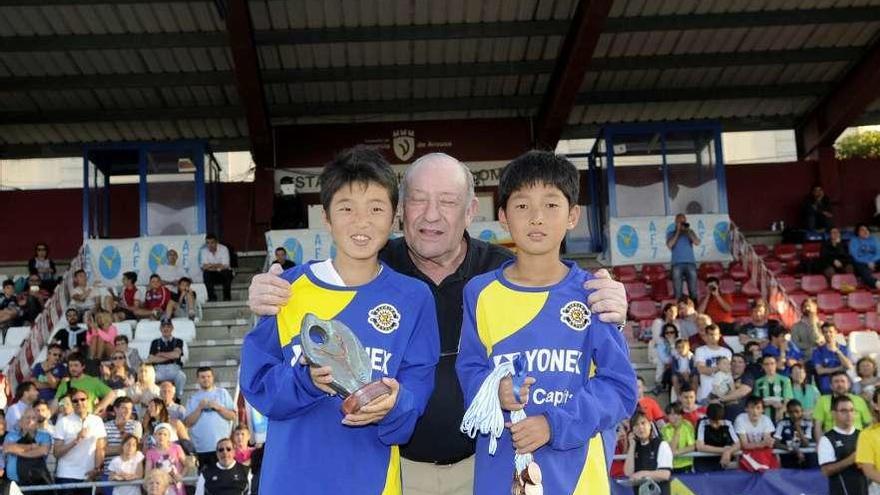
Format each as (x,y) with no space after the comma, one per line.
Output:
(384,318)
(576,315)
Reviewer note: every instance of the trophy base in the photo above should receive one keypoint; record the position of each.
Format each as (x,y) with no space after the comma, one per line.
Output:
(363,396)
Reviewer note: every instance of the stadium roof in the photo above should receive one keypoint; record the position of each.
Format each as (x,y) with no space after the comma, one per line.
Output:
(83,71)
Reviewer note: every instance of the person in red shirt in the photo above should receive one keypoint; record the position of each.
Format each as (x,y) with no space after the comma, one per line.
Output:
(718,306)
(157,297)
(649,405)
(689,408)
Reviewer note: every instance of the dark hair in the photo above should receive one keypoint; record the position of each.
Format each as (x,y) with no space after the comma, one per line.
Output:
(837,399)
(673,327)
(133,276)
(715,411)
(65,313)
(76,356)
(667,307)
(876,394)
(78,272)
(539,167)
(121,337)
(739,355)
(685,299)
(682,341)
(860,225)
(839,373)
(22,388)
(674,408)
(639,414)
(640,379)
(776,331)
(241,427)
(751,344)
(184,279)
(155,275)
(9,281)
(685,387)
(712,327)
(765,356)
(360,165)
(793,403)
(754,400)
(709,280)
(759,302)
(202,369)
(210,237)
(39,402)
(122,400)
(224,439)
(828,324)
(163,411)
(797,364)
(281,249)
(127,437)
(73,391)
(43,245)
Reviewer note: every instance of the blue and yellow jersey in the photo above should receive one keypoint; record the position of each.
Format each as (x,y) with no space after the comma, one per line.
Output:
(585,384)
(308,449)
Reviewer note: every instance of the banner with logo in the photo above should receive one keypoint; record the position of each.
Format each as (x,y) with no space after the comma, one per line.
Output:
(302,245)
(773,482)
(105,260)
(491,232)
(638,240)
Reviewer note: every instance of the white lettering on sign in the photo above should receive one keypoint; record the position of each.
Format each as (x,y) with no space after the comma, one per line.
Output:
(379,359)
(546,360)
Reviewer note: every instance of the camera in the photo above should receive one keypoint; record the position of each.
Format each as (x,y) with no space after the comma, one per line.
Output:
(686,225)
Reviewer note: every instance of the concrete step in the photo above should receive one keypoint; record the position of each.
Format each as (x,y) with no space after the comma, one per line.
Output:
(638,352)
(215,349)
(225,370)
(231,310)
(223,329)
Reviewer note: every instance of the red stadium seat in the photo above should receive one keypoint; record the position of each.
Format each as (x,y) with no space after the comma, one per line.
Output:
(847,322)
(861,300)
(626,273)
(830,302)
(750,289)
(653,273)
(761,250)
(643,310)
(740,306)
(661,289)
(811,250)
(727,286)
(813,284)
(798,298)
(788,283)
(707,270)
(872,321)
(785,252)
(773,266)
(792,266)
(844,279)
(737,272)
(636,290)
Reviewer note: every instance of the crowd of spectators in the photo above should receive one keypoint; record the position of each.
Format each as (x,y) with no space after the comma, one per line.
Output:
(794,398)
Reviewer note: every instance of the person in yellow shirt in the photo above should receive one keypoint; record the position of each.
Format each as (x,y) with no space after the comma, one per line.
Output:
(868,448)
(680,435)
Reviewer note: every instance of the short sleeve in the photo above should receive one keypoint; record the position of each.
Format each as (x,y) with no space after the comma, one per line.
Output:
(664,456)
(98,428)
(768,425)
(825,452)
(778,434)
(115,464)
(866,448)
(701,430)
(740,425)
(732,433)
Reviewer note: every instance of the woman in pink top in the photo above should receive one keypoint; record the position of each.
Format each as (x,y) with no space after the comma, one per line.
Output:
(101,336)
(168,457)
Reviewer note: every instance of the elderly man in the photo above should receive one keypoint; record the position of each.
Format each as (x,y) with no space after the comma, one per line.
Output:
(224,476)
(26,449)
(438,203)
(170,272)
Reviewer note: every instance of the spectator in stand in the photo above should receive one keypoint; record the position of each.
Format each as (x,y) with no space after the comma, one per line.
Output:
(754,355)
(817,210)
(837,452)
(119,313)
(281,259)
(703,321)
(48,374)
(157,297)
(668,317)
(132,298)
(44,416)
(211,414)
(829,358)
(8,304)
(648,457)
(840,387)
(167,392)
(648,405)
(127,466)
(865,251)
(684,369)
(72,338)
(868,447)
(166,354)
(36,288)
(690,410)
(82,296)
(94,388)
(866,378)
(663,349)
(100,337)
(26,449)
(29,308)
(144,389)
(166,456)
(786,352)
(25,395)
(735,401)
(681,242)
(117,428)
(806,334)
(755,430)
(722,380)
(716,435)
(682,439)
(118,375)
(706,358)
(157,483)
(718,306)
(216,268)
(241,439)
(794,433)
(183,302)
(758,329)
(42,266)
(774,389)
(620,449)
(80,440)
(157,414)
(170,272)
(805,393)
(834,256)
(687,318)
(226,475)
(132,358)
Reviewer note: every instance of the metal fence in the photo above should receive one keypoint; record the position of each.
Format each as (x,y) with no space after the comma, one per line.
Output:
(93,485)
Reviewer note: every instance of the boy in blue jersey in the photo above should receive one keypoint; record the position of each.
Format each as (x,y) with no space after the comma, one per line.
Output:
(311,447)
(580,382)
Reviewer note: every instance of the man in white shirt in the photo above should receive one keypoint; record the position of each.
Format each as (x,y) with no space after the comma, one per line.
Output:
(706,358)
(80,440)
(170,272)
(216,268)
(25,395)
(211,416)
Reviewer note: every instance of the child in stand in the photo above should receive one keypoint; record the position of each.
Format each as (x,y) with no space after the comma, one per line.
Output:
(683,367)
(101,336)
(649,457)
(722,380)
(682,438)
(241,438)
(128,466)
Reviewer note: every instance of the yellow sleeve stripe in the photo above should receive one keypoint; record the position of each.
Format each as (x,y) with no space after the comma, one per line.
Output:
(306,297)
(502,311)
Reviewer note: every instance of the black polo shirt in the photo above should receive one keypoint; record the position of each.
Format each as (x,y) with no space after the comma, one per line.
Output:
(437,437)
(160,345)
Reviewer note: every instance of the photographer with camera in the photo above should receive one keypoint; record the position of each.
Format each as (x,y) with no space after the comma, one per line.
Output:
(681,242)
(718,306)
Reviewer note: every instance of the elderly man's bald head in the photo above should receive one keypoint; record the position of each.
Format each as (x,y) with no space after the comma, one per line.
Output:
(439,161)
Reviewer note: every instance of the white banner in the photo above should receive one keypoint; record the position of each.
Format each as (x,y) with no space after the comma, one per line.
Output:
(491,232)
(302,245)
(637,240)
(105,260)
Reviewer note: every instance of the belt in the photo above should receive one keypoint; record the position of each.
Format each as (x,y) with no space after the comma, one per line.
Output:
(451,461)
